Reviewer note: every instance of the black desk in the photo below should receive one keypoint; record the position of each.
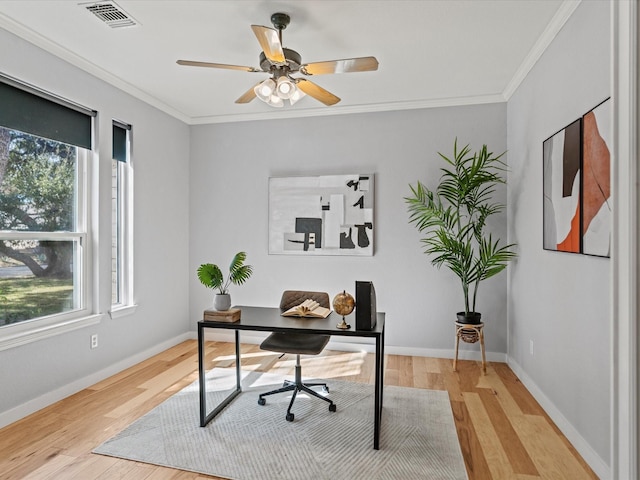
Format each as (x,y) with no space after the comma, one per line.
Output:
(269,320)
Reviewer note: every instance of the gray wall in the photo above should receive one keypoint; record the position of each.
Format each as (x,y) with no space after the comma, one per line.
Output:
(560,301)
(36,374)
(230,167)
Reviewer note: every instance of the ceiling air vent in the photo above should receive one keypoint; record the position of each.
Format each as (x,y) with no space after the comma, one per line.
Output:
(111,14)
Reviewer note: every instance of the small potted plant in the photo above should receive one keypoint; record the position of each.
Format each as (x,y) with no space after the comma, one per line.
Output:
(453,218)
(211,276)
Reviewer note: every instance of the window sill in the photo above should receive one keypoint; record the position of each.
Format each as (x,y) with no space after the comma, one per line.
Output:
(122,311)
(22,334)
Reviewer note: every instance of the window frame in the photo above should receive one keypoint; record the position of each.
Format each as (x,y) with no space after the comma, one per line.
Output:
(28,331)
(123,226)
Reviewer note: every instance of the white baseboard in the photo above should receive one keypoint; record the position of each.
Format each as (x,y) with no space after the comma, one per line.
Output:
(597,464)
(58,394)
(354,345)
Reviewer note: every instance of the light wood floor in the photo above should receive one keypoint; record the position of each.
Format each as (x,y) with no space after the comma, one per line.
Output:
(503,432)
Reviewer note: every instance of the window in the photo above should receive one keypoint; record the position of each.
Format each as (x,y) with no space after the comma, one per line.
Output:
(121,220)
(45,145)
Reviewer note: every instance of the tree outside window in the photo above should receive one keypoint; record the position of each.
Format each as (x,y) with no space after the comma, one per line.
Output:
(40,241)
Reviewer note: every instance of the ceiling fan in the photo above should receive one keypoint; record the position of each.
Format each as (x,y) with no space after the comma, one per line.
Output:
(282,62)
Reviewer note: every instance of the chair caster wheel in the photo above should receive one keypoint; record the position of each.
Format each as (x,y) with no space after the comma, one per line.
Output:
(332,407)
(289,417)
(261,401)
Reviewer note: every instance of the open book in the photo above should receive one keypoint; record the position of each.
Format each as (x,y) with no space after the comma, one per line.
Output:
(308,308)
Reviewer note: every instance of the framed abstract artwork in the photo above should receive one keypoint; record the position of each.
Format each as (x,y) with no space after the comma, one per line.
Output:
(596,180)
(321,215)
(576,185)
(561,185)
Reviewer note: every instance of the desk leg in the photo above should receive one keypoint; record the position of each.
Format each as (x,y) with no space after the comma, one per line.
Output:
(238,377)
(381,373)
(204,417)
(201,377)
(378,392)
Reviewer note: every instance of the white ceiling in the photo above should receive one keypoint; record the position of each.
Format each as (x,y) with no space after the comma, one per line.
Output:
(431,52)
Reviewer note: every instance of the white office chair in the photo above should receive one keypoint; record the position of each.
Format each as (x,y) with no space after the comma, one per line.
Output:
(299,344)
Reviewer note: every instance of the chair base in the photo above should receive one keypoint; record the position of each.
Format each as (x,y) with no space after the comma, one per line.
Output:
(295,387)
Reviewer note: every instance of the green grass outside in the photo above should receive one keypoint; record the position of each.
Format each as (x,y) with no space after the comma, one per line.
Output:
(30,297)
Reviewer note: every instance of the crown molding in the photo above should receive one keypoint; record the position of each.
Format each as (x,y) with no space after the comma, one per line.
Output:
(553,28)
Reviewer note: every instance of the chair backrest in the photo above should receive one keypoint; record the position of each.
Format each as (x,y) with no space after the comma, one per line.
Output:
(291,298)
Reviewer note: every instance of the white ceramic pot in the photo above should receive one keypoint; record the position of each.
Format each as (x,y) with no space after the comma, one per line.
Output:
(222,301)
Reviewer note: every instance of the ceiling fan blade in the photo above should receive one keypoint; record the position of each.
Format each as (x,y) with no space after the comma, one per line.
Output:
(317,92)
(361,64)
(190,63)
(270,43)
(249,95)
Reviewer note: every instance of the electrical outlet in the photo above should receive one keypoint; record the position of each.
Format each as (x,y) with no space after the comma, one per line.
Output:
(94,340)
(531,347)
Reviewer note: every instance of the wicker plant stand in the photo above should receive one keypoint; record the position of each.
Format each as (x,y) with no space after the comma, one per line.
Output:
(470,333)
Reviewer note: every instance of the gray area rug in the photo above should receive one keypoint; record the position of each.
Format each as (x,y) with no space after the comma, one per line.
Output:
(247,441)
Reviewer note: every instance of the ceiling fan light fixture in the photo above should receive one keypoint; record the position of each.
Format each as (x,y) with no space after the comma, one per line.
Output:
(276,101)
(296,95)
(285,88)
(265,90)
(274,92)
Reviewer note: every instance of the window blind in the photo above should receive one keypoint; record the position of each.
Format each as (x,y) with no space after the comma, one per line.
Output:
(30,110)
(119,146)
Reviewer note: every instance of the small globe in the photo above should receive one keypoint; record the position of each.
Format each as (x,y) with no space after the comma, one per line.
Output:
(343,303)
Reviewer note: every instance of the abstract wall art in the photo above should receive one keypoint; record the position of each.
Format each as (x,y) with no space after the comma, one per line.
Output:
(576,185)
(321,215)
(596,180)
(561,177)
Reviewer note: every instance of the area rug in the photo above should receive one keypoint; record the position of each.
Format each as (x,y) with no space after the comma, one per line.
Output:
(247,441)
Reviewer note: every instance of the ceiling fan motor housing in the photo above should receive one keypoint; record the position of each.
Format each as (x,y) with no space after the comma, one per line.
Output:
(294,60)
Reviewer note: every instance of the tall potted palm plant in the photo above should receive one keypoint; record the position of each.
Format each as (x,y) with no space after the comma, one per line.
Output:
(453,218)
